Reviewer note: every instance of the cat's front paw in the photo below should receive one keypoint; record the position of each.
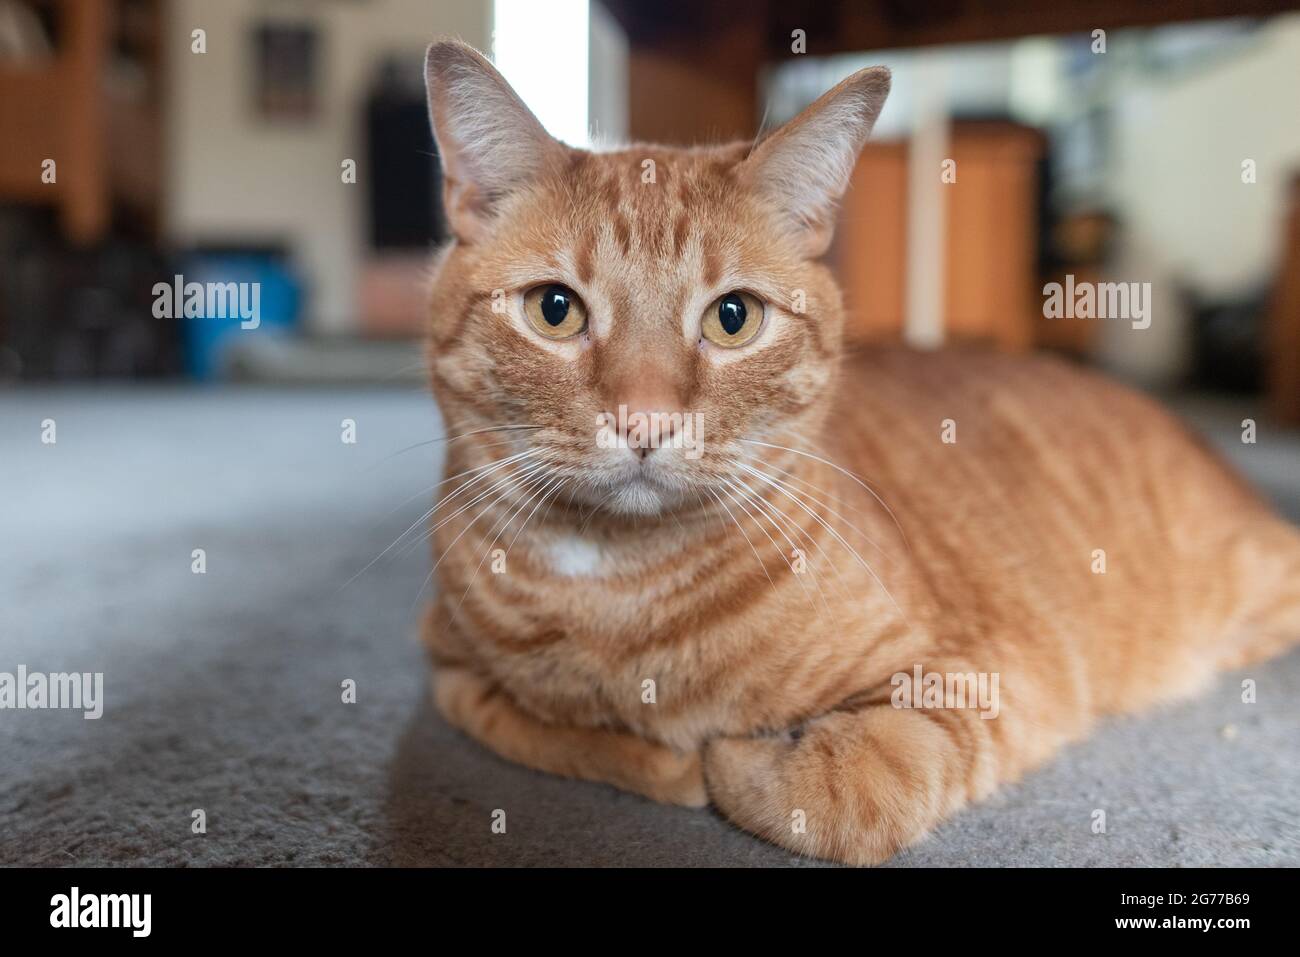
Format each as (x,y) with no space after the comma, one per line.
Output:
(457,693)
(738,769)
(676,778)
(481,709)
(854,787)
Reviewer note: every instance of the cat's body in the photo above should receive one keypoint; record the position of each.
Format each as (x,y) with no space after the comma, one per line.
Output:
(731,629)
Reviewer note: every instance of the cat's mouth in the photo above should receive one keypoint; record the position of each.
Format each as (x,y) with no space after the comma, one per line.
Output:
(643,488)
(639,496)
(622,480)
(647,485)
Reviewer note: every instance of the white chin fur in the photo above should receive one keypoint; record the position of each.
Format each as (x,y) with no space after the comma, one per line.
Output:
(637,498)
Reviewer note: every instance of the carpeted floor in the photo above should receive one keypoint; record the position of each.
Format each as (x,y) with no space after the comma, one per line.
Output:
(222,690)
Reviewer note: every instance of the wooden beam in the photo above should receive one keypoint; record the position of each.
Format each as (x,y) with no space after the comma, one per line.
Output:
(847,26)
(1283,341)
(678,93)
(899,24)
(83,149)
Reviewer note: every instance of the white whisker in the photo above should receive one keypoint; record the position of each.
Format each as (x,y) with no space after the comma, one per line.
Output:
(834,534)
(748,497)
(517,482)
(843,471)
(747,539)
(484,471)
(545,483)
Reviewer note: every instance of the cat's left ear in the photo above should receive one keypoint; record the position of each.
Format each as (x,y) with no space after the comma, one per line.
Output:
(489,141)
(803,168)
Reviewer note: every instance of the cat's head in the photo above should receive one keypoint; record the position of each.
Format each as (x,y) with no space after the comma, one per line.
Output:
(645,314)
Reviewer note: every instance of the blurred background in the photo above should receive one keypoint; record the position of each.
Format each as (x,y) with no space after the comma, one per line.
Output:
(211,510)
(285,142)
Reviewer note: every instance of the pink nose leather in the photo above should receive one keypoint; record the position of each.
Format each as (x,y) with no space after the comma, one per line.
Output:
(644,421)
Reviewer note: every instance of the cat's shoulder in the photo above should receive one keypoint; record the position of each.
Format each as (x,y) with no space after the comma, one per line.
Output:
(973,378)
(963,367)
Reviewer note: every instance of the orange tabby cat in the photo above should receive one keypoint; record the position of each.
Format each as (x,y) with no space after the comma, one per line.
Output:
(728,614)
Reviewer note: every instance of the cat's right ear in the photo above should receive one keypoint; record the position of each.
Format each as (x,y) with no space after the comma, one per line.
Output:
(489,142)
(803,168)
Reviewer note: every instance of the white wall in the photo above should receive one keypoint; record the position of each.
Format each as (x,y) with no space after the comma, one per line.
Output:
(1179,148)
(1176,180)
(607,78)
(232,176)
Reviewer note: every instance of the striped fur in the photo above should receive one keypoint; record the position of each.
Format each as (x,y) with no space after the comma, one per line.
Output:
(729,632)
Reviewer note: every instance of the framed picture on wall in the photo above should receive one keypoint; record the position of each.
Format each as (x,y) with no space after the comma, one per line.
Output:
(286,70)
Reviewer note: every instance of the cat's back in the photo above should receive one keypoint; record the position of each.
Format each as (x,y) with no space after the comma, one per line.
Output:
(1021,427)
(1026,482)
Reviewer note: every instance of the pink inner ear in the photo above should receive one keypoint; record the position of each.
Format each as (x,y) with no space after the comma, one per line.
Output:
(490,143)
(466,208)
(804,167)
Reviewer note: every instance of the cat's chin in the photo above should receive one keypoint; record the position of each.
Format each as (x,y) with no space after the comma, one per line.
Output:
(639,497)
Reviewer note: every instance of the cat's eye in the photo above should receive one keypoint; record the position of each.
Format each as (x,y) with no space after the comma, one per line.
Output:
(732,320)
(555,311)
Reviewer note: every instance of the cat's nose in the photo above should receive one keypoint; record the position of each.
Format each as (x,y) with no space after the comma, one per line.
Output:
(646,423)
(660,431)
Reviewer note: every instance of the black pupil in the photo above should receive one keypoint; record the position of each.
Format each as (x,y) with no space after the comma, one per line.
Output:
(555,305)
(731,313)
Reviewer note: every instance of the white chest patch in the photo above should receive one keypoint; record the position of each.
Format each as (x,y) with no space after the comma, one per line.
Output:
(574,557)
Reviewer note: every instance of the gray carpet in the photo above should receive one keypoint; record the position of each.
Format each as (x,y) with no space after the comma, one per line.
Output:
(222,691)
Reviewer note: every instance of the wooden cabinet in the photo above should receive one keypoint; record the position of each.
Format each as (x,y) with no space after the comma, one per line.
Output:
(1283,343)
(105,142)
(991,291)
(870,254)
